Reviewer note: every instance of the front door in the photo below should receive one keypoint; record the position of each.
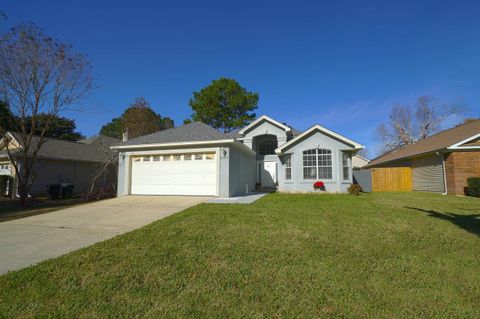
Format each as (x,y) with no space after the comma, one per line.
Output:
(268,174)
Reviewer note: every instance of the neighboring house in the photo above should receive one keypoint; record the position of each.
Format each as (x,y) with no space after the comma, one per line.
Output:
(359,161)
(442,162)
(62,161)
(195,159)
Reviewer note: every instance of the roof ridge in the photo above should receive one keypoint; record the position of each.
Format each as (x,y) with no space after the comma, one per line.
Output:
(447,130)
(54,138)
(175,128)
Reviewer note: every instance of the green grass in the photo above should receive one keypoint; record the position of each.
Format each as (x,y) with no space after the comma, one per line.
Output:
(9,208)
(394,255)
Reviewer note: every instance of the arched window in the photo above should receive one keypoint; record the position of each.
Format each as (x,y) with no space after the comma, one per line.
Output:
(317,164)
(267,147)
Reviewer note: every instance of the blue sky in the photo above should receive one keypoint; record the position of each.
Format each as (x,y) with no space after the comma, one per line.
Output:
(341,64)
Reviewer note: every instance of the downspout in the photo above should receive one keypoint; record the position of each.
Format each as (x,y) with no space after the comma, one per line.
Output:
(444,174)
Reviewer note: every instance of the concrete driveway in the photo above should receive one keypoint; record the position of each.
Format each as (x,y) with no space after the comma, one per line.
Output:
(30,240)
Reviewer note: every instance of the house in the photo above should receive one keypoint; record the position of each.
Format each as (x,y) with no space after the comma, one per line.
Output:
(63,161)
(195,159)
(359,161)
(442,162)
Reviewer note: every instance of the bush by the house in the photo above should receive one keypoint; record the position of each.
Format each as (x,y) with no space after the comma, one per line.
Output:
(60,191)
(6,185)
(319,186)
(354,189)
(102,193)
(473,186)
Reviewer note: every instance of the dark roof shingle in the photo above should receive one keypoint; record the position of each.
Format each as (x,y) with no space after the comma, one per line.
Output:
(192,132)
(96,150)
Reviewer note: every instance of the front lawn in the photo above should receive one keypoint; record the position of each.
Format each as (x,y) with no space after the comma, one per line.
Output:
(376,255)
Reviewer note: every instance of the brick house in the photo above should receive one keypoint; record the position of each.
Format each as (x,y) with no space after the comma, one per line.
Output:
(442,162)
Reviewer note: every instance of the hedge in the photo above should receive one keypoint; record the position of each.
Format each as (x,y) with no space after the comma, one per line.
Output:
(473,186)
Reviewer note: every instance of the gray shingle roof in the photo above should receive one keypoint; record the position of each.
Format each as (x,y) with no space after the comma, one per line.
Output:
(95,150)
(192,132)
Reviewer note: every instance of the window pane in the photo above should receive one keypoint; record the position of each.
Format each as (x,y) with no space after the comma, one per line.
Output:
(187,157)
(267,147)
(198,157)
(346,173)
(288,167)
(177,157)
(137,159)
(156,158)
(210,156)
(325,173)
(309,173)
(146,158)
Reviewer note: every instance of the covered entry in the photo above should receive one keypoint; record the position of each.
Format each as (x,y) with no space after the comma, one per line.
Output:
(174,174)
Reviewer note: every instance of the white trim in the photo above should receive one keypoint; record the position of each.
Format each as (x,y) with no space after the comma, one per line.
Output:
(444,173)
(322,129)
(260,119)
(132,154)
(172,144)
(239,145)
(457,146)
(334,170)
(361,157)
(13,141)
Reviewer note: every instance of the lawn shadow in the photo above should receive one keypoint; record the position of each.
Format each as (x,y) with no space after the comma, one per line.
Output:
(470,223)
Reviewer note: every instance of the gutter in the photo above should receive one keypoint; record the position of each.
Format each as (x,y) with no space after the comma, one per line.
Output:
(370,165)
(236,143)
(172,144)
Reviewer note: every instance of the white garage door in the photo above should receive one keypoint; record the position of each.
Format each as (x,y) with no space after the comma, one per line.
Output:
(176,174)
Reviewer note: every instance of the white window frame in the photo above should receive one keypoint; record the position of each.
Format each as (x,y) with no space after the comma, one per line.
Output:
(346,165)
(288,166)
(317,165)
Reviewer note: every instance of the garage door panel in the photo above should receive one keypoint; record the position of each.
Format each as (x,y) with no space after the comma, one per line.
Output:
(191,177)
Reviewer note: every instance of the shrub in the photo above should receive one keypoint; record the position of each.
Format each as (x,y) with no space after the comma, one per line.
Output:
(6,184)
(102,193)
(354,189)
(319,186)
(473,186)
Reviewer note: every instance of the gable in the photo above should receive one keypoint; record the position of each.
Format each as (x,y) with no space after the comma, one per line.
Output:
(13,144)
(317,139)
(473,142)
(324,135)
(265,127)
(260,121)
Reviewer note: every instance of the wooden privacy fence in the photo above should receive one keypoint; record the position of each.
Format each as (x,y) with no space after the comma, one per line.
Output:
(392,179)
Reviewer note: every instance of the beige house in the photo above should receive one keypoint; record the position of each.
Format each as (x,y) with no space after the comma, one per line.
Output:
(359,161)
(62,161)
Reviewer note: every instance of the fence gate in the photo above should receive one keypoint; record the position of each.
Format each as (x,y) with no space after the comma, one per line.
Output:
(392,179)
(363,177)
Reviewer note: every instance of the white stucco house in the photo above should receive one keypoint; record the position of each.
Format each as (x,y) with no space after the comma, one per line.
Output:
(195,159)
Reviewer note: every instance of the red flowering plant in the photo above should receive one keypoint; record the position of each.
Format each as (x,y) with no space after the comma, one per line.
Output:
(319,186)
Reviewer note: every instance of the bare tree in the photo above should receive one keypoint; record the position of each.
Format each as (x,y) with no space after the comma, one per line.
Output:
(38,74)
(109,163)
(407,124)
